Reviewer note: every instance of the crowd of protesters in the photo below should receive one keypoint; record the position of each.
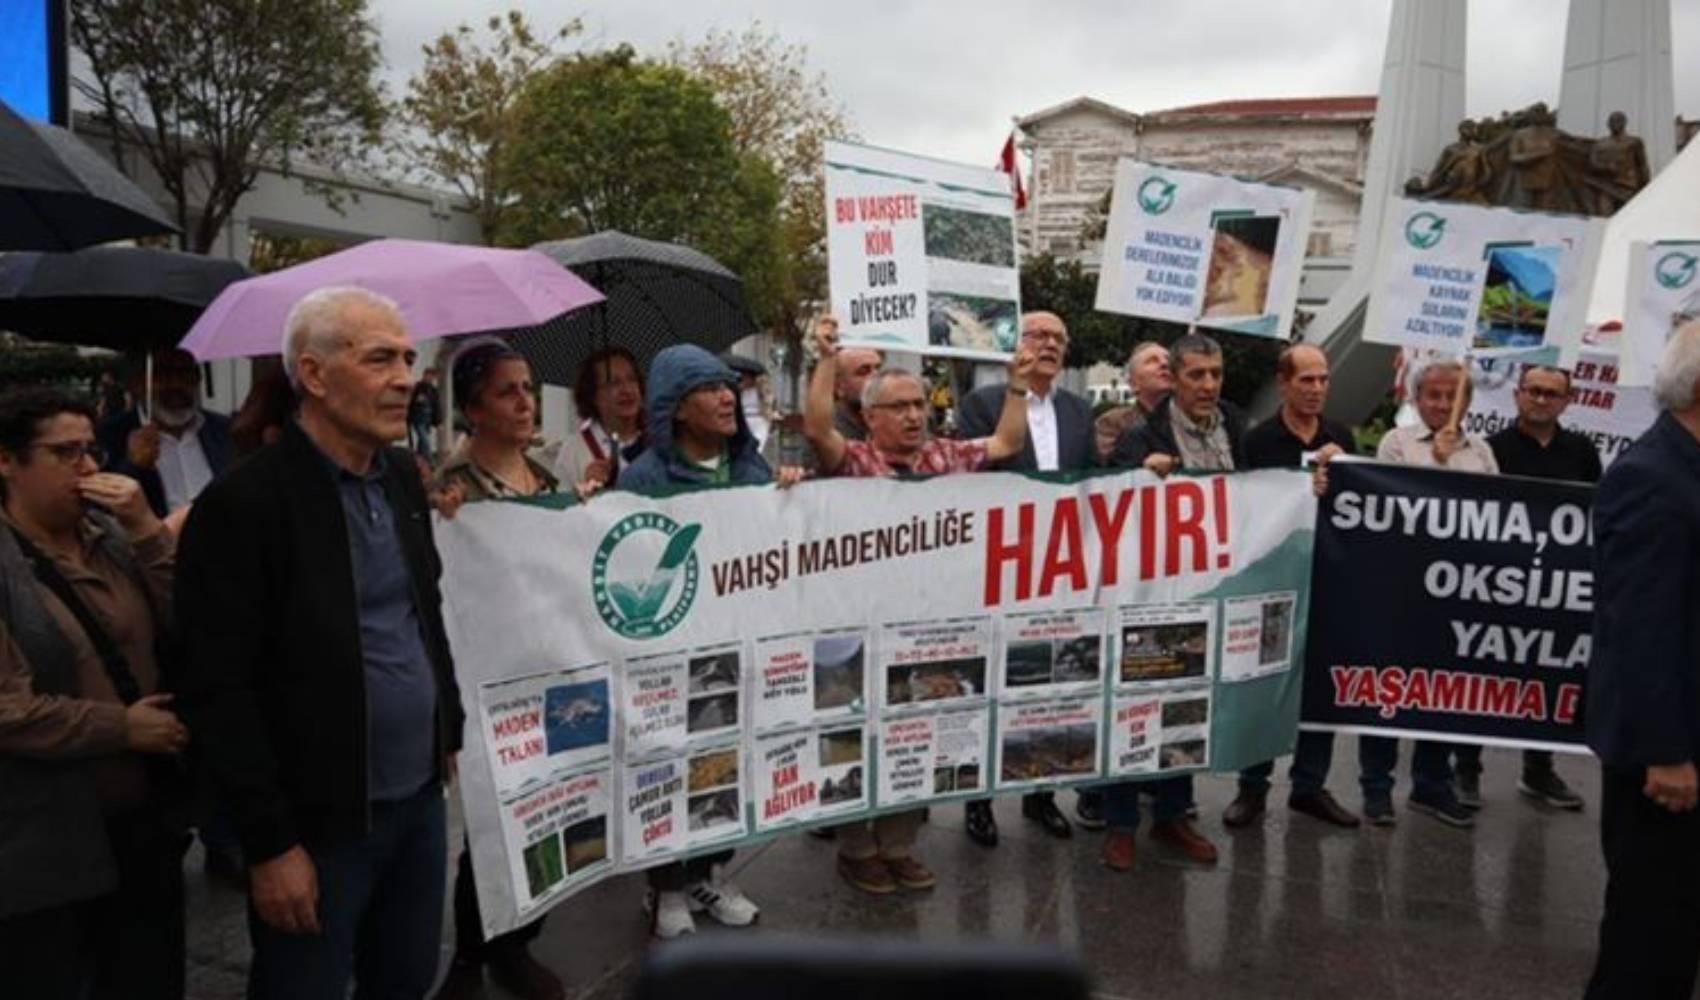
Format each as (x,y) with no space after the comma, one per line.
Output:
(236,626)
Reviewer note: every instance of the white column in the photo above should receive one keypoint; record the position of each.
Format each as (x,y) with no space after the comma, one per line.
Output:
(1617,57)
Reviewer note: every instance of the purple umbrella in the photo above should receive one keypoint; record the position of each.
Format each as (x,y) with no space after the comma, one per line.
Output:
(444,290)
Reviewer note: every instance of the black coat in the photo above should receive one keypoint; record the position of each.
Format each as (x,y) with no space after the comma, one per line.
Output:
(1156,436)
(274,681)
(1644,676)
(977,417)
(114,436)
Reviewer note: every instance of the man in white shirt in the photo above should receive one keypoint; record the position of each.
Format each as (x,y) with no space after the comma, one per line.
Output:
(1059,439)
(167,442)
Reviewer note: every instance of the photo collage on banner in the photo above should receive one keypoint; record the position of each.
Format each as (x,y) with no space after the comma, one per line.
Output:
(1161,703)
(1051,697)
(683,745)
(933,682)
(551,762)
(921,254)
(1191,247)
(809,707)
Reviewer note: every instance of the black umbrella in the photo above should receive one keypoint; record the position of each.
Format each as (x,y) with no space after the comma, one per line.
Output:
(657,294)
(115,297)
(57,193)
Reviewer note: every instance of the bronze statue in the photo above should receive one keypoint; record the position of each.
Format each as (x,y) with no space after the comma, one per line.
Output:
(1533,180)
(1617,166)
(1460,174)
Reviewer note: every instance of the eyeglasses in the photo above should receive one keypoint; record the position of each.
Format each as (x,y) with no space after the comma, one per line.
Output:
(72,452)
(919,405)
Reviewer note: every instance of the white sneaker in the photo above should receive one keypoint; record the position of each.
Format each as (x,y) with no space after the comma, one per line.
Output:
(669,914)
(724,901)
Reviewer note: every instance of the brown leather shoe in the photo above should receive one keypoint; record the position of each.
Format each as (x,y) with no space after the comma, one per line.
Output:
(867,874)
(1119,850)
(1246,808)
(910,873)
(1184,837)
(1322,806)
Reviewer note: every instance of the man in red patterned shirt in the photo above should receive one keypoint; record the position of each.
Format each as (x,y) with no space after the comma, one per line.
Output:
(894,404)
(878,857)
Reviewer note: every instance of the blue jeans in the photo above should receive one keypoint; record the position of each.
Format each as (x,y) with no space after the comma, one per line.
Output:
(380,913)
(1431,769)
(1173,796)
(1311,760)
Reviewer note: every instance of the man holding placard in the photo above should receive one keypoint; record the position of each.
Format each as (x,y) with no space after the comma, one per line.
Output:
(1059,439)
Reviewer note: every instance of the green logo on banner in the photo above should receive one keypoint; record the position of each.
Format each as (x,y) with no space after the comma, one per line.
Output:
(1675,269)
(1424,230)
(634,590)
(1157,195)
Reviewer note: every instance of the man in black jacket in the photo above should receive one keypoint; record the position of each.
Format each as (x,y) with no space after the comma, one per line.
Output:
(318,673)
(1059,439)
(179,447)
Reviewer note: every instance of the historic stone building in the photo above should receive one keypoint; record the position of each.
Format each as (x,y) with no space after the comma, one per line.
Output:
(1319,143)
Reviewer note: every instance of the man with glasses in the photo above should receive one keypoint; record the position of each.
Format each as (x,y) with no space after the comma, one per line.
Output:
(1059,439)
(91,849)
(878,857)
(1537,446)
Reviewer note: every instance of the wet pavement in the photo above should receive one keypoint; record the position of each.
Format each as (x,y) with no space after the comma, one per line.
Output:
(1294,909)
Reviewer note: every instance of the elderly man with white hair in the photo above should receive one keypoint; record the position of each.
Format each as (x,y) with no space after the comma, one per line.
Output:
(1643,711)
(317,671)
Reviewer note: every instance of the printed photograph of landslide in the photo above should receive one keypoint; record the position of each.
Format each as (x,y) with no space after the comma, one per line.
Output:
(1187,753)
(716,769)
(1171,652)
(715,672)
(841,766)
(543,867)
(1038,754)
(575,716)
(712,809)
(587,843)
(972,322)
(711,712)
(1518,295)
(838,671)
(971,237)
(912,682)
(1242,261)
(1274,644)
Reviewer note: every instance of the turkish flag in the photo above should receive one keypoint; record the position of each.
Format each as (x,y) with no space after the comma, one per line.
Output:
(1008,164)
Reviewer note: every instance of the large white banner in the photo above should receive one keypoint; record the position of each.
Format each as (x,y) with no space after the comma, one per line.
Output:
(652,677)
(1664,293)
(1467,279)
(921,254)
(1193,247)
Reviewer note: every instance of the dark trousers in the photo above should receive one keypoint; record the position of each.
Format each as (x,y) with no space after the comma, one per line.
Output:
(125,945)
(1312,758)
(380,913)
(469,923)
(1650,935)
(1468,760)
(1171,797)
(679,876)
(1431,768)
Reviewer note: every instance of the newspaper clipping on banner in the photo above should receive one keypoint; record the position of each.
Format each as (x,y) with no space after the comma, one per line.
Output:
(921,254)
(657,677)
(1475,626)
(1464,279)
(1192,247)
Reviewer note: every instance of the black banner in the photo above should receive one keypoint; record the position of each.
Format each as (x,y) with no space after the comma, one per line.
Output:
(1450,605)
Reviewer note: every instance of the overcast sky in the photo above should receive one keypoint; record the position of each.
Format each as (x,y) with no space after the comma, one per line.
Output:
(944,77)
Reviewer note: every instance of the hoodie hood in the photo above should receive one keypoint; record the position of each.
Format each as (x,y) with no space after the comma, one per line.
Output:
(674,374)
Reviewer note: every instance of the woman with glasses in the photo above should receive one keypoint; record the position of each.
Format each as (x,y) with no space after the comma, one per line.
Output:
(609,396)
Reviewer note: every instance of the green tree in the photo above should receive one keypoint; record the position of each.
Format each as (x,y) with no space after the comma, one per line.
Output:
(456,115)
(210,90)
(608,141)
(1067,289)
(782,112)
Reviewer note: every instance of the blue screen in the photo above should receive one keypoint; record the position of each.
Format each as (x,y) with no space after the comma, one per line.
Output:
(26,57)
